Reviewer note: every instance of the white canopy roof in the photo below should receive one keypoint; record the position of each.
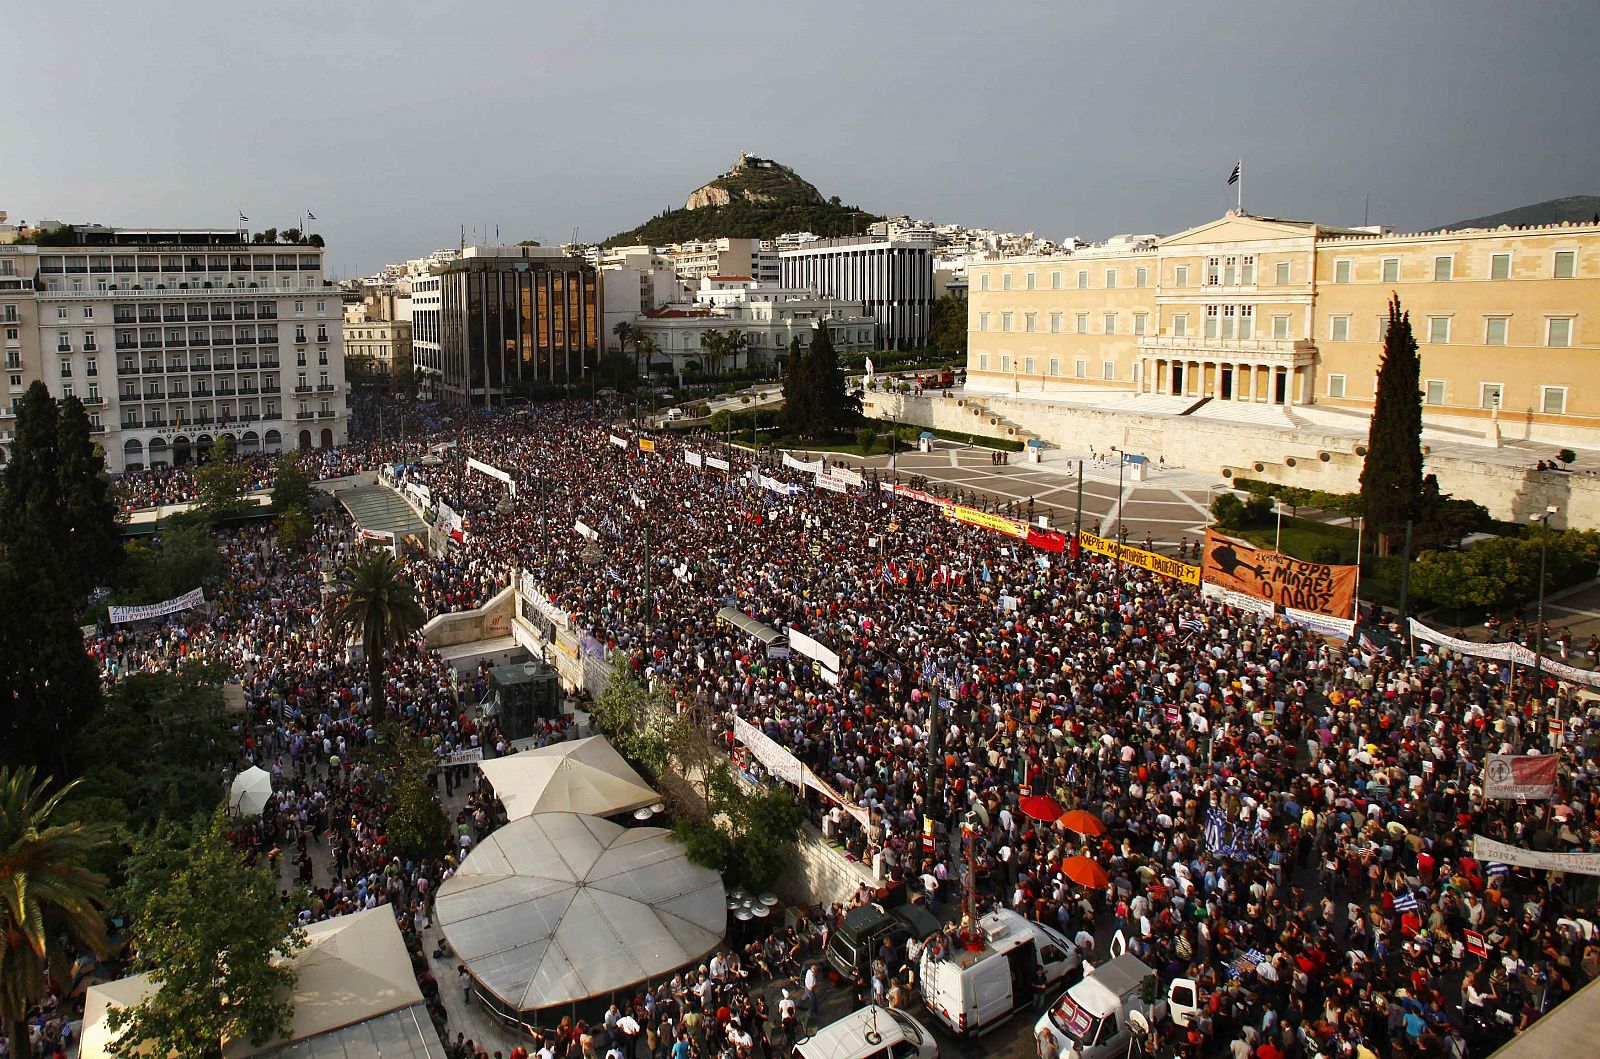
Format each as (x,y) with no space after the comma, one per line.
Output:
(576,776)
(353,968)
(559,907)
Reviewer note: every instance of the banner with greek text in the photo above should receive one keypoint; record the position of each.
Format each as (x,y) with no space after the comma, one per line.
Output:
(1324,624)
(193,598)
(914,494)
(855,478)
(783,488)
(585,531)
(1281,578)
(999,523)
(462,757)
(1491,852)
(646,445)
(492,472)
(618,442)
(1237,600)
(1524,777)
(691,457)
(1151,561)
(1505,652)
(813,467)
(832,484)
(718,462)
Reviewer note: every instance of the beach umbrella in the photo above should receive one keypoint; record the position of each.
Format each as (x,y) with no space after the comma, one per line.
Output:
(1040,808)
(1081,822)
(1085,872)
(250,791)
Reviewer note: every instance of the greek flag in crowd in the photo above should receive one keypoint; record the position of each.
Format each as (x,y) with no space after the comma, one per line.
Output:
(1406,902)
(1192,625)
(1215,830)
(1498,869)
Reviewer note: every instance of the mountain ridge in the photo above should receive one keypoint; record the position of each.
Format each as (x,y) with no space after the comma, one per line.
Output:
(1572,208)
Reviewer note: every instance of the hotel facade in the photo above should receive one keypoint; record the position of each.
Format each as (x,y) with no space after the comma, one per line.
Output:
(174,339)
(1287,314)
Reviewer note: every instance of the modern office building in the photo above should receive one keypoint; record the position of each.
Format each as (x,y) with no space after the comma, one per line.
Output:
(176,338)
(503,316)
(893,283)
(1292,313)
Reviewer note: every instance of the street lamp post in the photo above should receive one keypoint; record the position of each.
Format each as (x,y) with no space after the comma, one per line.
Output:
(1538,630)
(1122,459)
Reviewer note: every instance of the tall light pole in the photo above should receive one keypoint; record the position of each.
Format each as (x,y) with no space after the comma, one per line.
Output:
(1122,459)
(1538,630)
(1277,509)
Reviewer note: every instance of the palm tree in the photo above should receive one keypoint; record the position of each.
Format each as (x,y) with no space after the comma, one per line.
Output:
(714,344)
(46,890)
(376,600)
(643,346)
(624,335)
(737,342)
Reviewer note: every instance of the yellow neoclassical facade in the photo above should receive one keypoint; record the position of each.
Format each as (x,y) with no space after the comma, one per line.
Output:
(1291,313)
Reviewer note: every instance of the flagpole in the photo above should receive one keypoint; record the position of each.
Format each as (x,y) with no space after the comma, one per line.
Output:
(1241,186)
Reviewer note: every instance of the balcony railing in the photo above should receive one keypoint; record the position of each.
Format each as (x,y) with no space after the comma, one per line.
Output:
(326,387)
(326,413)
(302,389)
(305,415)
(271,388)
(127,369)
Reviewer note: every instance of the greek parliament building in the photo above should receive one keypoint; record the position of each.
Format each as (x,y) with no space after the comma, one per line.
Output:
(505,316)
(173,339)
(1287,314)
(891,281)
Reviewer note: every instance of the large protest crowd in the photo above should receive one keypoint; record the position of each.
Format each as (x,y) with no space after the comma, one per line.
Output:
(1288,819)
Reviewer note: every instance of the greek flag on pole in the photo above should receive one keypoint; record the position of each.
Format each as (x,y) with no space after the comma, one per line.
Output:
(1498,869)
(1233,177)
(1406,902)
(1192,625)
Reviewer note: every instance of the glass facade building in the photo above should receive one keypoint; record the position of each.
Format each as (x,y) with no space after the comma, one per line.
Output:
(507,323)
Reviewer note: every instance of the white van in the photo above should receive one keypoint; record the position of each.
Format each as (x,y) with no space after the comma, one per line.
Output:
(972,989)
(1097,1017)
(871,1033)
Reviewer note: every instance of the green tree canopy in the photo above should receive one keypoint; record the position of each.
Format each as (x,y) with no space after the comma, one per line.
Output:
(947,326)
(48,684)
(47,893)
(221,482)
(827,407)
(214,935)
(291,485)
(415,826)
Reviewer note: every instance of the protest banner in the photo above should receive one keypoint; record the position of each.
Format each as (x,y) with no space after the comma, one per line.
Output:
(618,442)
(646,445)
(492,472)
(717,462)
(1322,624)
(1524,777)
(1279,578)
(193,598)
(809,467)
(585,531)
(830,483)
(1237,600)
(692,458)
(1144,560)
(805,645)
(462,757)
(1493,852)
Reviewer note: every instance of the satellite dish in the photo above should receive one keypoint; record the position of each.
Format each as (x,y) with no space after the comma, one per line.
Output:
(1139,1024)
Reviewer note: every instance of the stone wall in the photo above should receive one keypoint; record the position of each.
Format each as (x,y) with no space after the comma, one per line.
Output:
(1245,450)
(488,622)
(822,875)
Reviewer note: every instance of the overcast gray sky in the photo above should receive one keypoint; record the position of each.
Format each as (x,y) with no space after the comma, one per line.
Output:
(396,122)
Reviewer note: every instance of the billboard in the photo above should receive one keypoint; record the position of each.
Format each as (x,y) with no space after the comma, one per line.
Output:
(1278,578)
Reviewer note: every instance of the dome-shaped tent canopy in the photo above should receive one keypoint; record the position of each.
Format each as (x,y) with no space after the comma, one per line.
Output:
(557,908)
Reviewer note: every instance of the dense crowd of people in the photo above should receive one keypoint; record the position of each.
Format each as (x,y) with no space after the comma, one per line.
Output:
(1289,820)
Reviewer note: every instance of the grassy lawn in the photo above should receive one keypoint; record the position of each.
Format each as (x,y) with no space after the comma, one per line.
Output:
(1306,539)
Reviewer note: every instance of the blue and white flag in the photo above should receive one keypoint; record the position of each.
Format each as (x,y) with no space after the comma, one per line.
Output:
(1406,902)
(1498,869)
(1191,625)
(1214,831)
(1233,177)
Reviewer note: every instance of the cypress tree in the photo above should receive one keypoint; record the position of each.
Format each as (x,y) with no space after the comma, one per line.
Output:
(828,407)
(1392,483)
(795,415)
(89,544)
(30,505)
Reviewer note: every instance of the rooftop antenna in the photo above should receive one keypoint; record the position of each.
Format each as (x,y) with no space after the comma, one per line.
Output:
(1366,214)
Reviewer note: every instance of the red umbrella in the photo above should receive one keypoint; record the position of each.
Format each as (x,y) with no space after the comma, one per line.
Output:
(1040,808)
(1081,822)
(1085,872)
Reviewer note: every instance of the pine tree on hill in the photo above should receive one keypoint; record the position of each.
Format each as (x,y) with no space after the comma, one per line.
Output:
(1392,483)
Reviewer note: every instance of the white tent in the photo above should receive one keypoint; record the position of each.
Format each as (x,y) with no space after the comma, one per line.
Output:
(577,776)
(557,908)
(354,969)
(250,791)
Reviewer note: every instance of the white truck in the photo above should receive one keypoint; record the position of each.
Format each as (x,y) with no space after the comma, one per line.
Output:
(1095,1018)
(973,987)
